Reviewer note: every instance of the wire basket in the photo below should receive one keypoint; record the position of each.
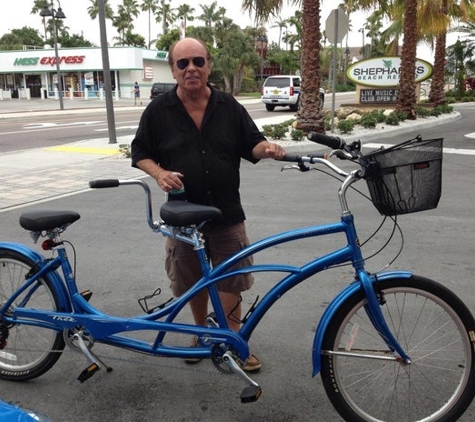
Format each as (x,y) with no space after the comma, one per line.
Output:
(406,178)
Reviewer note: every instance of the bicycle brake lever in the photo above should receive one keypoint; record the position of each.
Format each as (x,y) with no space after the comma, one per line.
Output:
(342,155)
(290,167)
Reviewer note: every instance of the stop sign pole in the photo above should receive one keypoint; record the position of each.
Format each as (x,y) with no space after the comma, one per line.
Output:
(336,27)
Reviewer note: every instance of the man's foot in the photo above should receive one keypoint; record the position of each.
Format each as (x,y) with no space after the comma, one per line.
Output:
(252,364)
(193,343)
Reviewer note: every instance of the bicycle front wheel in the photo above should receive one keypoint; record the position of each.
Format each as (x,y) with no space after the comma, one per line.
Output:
(367,383)
(26,351)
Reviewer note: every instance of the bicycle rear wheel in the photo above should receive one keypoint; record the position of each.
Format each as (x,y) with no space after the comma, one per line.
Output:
(433,326)
(26,351)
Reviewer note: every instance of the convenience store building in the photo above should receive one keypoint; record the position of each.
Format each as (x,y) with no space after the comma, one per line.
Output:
(29,74)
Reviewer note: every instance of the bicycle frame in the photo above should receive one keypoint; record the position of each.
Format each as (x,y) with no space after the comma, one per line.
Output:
(104,328)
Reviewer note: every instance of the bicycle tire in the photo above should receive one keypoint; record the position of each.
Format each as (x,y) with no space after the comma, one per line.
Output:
(29,351)
(437,331)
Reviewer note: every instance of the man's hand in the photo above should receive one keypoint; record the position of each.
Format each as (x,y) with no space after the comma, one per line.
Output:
(166,180)
(267,149)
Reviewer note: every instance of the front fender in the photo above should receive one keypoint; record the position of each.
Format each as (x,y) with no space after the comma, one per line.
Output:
(53,277)
(333,307)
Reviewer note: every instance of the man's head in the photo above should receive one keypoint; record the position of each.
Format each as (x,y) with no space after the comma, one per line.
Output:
(190,63)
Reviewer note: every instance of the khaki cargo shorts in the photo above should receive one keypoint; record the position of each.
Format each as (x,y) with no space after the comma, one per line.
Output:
(184,270)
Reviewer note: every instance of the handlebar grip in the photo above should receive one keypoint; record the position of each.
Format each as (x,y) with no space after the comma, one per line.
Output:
(333,142)
(295,158)
(104,183)
(292,158)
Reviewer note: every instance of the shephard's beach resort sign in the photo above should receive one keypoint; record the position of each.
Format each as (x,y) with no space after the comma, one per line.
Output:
(385,71)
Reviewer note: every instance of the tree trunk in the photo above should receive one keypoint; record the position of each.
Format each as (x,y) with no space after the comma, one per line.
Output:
(309,115)
(436,95)
(407,84)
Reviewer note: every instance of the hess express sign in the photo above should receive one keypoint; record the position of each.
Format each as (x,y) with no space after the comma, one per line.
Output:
(48,61)
(385,71)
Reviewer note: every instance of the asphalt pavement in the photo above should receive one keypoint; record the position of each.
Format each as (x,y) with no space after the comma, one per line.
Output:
(41,174)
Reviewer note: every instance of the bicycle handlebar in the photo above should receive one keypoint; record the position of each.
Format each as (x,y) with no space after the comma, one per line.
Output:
(333,142)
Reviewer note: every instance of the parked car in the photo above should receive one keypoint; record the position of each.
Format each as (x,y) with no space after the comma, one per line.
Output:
(283,90)
(160,88)
(13,413)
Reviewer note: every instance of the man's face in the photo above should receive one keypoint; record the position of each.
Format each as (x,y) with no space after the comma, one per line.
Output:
(191,68)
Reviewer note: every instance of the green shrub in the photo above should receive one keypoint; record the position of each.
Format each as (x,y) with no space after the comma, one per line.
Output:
(267,130)
(368,121)
(445,108)
(378,115)
(435,112)
(346,126)
(124,149)
(393,119)
(423,112)
(296,134)
(279,131)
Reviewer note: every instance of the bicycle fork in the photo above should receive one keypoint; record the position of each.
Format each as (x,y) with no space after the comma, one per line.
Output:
(373,309)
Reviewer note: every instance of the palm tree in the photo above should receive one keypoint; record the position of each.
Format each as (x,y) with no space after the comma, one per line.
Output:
(150,7)
(309,115)
(281,24)
(93,9)
(445,9)
(185,12)
(165,14)
(123,21)
(210,15)
(36,9)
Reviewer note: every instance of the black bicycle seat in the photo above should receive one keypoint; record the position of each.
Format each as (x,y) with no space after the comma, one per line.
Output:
(40,220)
(182,213)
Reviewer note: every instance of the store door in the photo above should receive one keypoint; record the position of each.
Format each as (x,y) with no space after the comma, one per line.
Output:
(34,83)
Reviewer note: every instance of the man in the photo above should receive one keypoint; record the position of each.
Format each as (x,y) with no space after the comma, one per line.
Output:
(137,93)
(194,137)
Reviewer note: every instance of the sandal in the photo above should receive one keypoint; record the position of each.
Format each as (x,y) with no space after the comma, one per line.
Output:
(193,343)
(252,364)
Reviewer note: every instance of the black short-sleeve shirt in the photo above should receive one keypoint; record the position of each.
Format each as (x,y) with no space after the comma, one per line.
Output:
(209,158)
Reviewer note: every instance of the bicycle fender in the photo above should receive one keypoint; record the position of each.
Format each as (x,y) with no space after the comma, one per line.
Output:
(53,277)
(333,307)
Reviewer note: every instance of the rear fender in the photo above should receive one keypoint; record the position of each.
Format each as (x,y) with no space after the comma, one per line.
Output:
(333,307)
(53,277)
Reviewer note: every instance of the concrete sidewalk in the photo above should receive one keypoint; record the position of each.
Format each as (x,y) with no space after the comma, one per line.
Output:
(41,174)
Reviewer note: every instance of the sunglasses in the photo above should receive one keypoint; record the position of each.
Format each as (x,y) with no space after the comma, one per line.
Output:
(184,63)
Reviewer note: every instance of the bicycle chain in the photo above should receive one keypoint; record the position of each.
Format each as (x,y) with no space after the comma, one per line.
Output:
(191,368)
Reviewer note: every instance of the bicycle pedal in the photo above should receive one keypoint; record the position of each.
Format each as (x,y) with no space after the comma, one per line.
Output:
(86,294)
(88,372)
(251,394)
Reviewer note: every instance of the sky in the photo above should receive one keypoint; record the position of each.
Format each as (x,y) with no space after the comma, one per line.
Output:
(79,22)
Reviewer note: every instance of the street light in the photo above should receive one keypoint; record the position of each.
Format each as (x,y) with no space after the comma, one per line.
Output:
(363,47)
(55,14)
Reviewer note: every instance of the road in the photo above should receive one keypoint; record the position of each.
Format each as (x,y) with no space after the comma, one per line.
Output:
(121,260)
(32,131)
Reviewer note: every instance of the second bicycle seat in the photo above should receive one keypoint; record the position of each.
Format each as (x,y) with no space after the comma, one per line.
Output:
(182,213)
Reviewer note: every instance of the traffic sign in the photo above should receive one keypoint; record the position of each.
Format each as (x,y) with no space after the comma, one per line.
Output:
(336,26)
